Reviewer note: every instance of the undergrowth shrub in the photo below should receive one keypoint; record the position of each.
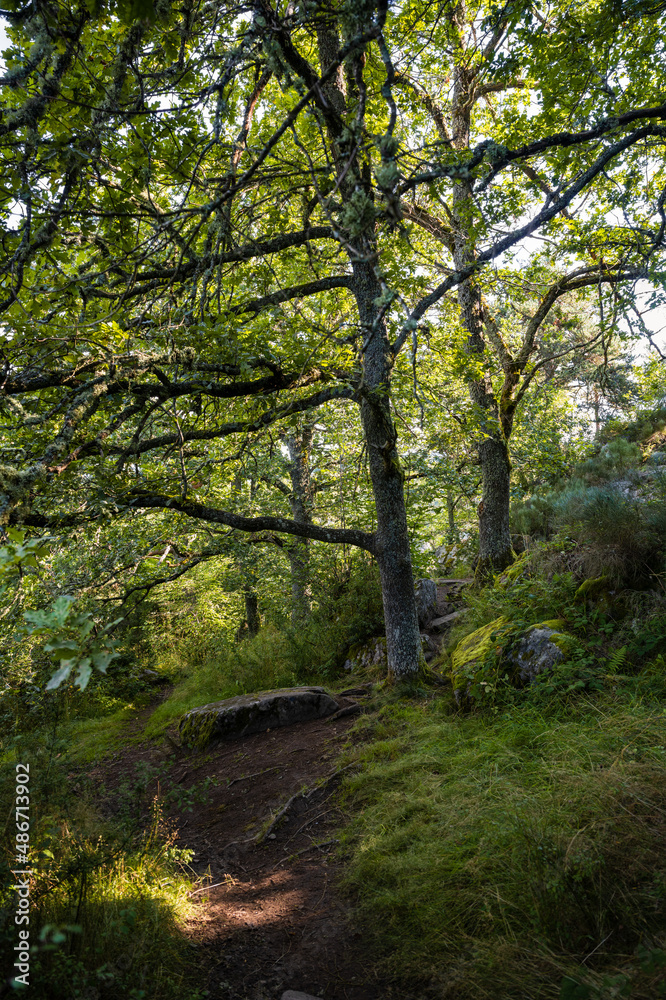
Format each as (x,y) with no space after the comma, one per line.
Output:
(612,460)
(625,535)
(534,516)
(529,599)
(109,897)
(189,620)
(645,424)
(312,652)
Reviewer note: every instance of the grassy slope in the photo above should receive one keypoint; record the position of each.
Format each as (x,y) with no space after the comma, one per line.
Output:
(493,856)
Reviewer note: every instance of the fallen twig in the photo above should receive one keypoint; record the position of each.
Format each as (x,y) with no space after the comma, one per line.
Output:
(257,774)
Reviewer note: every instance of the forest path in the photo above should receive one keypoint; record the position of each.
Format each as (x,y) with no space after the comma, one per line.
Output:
(274,917)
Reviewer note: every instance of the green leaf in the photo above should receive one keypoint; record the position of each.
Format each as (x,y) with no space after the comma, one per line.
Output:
(571,989)
(62,649)
(103,658)
(83,675)
(61,675)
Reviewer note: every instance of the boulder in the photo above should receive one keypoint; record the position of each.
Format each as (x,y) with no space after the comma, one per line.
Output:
(254,713)
(426,601)
(493,652)
(371,655)
(540,649)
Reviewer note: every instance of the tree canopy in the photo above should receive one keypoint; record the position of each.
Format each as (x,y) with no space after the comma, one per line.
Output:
(219,218)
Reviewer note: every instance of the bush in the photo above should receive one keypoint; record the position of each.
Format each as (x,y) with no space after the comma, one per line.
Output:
(534,516)
(109,898)
(612,460)
(626,533)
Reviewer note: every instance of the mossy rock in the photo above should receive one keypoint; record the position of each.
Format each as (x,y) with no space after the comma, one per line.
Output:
(469,658)
(515,570)
(369,655)
(592,588)
(539,649)
(499,649)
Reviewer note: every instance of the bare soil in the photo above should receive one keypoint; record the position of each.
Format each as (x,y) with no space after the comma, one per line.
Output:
(273,915)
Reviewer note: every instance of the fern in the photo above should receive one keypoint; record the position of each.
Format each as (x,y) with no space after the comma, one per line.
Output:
(617,660)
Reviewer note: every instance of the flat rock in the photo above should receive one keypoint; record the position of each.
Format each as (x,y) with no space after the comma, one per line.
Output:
(294,995)
(255,713)
(439,623)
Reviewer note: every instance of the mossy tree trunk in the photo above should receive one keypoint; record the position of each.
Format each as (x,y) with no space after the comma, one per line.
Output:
(392,548)
(495,552)
(392,551)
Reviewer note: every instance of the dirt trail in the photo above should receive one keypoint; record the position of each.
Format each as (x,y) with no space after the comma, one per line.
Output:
(274,917)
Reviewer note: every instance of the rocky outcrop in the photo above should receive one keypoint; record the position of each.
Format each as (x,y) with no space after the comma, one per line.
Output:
(497,650)
(254,713)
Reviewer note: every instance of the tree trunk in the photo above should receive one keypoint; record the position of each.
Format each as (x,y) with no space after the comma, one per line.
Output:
(495,550)
(403,639)
(451,511)
(252,616)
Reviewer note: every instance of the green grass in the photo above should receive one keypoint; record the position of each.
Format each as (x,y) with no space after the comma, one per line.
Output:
(495,856)
(258,664)
(109,897)
(112,922)
(90,740)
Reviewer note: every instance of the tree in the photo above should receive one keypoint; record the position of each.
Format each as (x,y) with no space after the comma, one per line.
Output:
(219,217)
